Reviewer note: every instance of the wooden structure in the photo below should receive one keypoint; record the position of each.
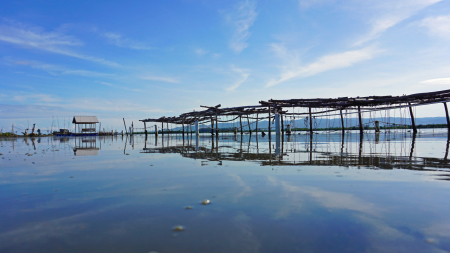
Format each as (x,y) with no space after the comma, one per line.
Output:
(273,110)
(85,124)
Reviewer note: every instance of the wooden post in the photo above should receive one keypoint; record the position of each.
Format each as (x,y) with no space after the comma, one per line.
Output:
(257,125)
(412,119)
(270,135)
(361,126)
(249,128)
(125,126)
(168,132)
(156,130)
(162,128)
(240,121)
(212,126)
(310,122)
(182,123)
(342,123)
(446,115)
(282,124)
(217,128)
(145,128)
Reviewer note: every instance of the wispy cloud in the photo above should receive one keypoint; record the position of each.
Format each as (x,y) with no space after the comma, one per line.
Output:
(160,79)
(305,4)
(243,75)
(120,41)
(436,82)
(57,70)
(200,51)
(36,98)
(242,18)
(437,26)
(120,87)
(325,63)
(37,38)
(389,14)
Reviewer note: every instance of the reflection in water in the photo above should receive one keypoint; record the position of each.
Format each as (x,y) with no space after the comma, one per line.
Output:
(319,193)
(377,151)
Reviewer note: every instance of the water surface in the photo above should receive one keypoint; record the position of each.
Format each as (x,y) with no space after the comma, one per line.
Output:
(385,193)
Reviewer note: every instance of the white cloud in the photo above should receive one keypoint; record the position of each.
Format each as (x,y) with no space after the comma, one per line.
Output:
(243,77)
(242,18)
(35,98)
(200,51)
(389,14)
(120,41)
(305,4)
(35,37)
(437,82)
(59,70)
(160,79)
(325,63)
(437,26)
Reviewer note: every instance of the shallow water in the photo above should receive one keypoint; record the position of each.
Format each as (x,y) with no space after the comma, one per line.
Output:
(387,193)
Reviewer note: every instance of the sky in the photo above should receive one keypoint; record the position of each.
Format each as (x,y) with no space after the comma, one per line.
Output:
(146,59)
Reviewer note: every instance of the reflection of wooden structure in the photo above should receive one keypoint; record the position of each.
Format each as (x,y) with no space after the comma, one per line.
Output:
(85,124)
(85,147)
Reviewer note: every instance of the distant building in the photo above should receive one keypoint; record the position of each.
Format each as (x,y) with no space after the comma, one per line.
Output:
(85,124)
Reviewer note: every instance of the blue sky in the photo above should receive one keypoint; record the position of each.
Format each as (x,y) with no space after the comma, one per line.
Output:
(140,59)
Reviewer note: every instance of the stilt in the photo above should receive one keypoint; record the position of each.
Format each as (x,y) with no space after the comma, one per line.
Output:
(270,123)
(377,126)
(342,123)
(412,119)
(145,129)
(257,124)
(182,124)
(212,126)
(156,130)
(446,115)
(248,123)
(282,124)
(240,121)
(361,126)
(310,122)
(162,128)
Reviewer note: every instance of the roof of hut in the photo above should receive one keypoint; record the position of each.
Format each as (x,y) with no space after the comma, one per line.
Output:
(85,120)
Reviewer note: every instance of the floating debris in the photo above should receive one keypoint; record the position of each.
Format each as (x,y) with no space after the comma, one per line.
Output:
(30,155)
(430,240)
(127,154)
(1,154)
(206,202)
(178,228)
(188,207)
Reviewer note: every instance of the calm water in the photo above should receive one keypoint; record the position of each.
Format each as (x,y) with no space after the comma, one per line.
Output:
(387,193)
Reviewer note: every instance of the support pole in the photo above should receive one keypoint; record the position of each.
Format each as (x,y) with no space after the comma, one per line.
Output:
(240,121)
(342,123)
(212,126)
(310,122)
(270,123)
(257,124)
(248,123)
(125,126)
(196,128)
(446,115)
(162,128)
(277,124)
(156,130)
(182,124)
(145,128)
(412,119)
(361,126)
(377,126)
(217,127)
(282,124)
